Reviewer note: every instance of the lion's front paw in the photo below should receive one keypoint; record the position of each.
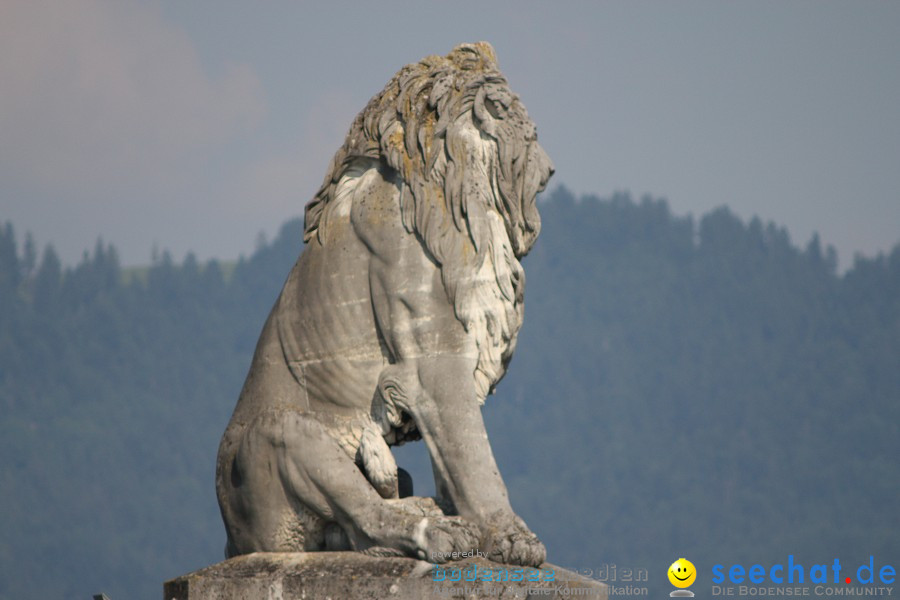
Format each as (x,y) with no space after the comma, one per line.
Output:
(441,539)
(510,541)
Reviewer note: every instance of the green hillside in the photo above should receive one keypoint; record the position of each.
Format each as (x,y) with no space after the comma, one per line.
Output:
(703,389)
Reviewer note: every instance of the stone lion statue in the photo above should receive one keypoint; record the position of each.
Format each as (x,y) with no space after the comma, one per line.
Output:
(397,320)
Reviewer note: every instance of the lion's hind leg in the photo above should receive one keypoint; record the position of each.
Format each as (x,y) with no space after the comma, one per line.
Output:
(314,473)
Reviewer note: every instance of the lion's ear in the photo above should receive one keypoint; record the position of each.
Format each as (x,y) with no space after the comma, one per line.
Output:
(485,120)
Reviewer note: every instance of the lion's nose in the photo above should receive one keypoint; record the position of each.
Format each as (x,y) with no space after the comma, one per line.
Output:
(549,167)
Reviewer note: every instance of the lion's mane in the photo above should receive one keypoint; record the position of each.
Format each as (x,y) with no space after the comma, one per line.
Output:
(464,152)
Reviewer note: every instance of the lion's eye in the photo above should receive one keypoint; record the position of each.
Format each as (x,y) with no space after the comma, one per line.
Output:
(493,108)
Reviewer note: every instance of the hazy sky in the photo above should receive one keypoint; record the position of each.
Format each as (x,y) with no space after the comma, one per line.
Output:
(196,125)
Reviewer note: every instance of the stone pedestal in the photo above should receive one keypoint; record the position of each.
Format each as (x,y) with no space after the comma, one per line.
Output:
(350,575)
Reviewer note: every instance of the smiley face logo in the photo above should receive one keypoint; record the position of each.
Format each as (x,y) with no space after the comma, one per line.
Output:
(682,573)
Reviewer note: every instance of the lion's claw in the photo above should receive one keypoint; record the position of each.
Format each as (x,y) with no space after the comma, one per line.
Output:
(441,537)
(513,543)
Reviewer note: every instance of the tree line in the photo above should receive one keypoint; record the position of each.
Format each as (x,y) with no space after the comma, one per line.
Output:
(682,387)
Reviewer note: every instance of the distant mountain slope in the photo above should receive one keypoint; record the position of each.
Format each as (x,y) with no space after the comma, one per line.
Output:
(701,389)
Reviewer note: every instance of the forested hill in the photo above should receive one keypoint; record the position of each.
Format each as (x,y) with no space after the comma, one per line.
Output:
(703,389)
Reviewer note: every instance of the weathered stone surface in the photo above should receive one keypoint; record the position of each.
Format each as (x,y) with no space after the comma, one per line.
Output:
(399,317)
(351,575)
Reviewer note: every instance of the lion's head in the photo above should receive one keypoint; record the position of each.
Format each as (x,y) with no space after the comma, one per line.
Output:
(469,167)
